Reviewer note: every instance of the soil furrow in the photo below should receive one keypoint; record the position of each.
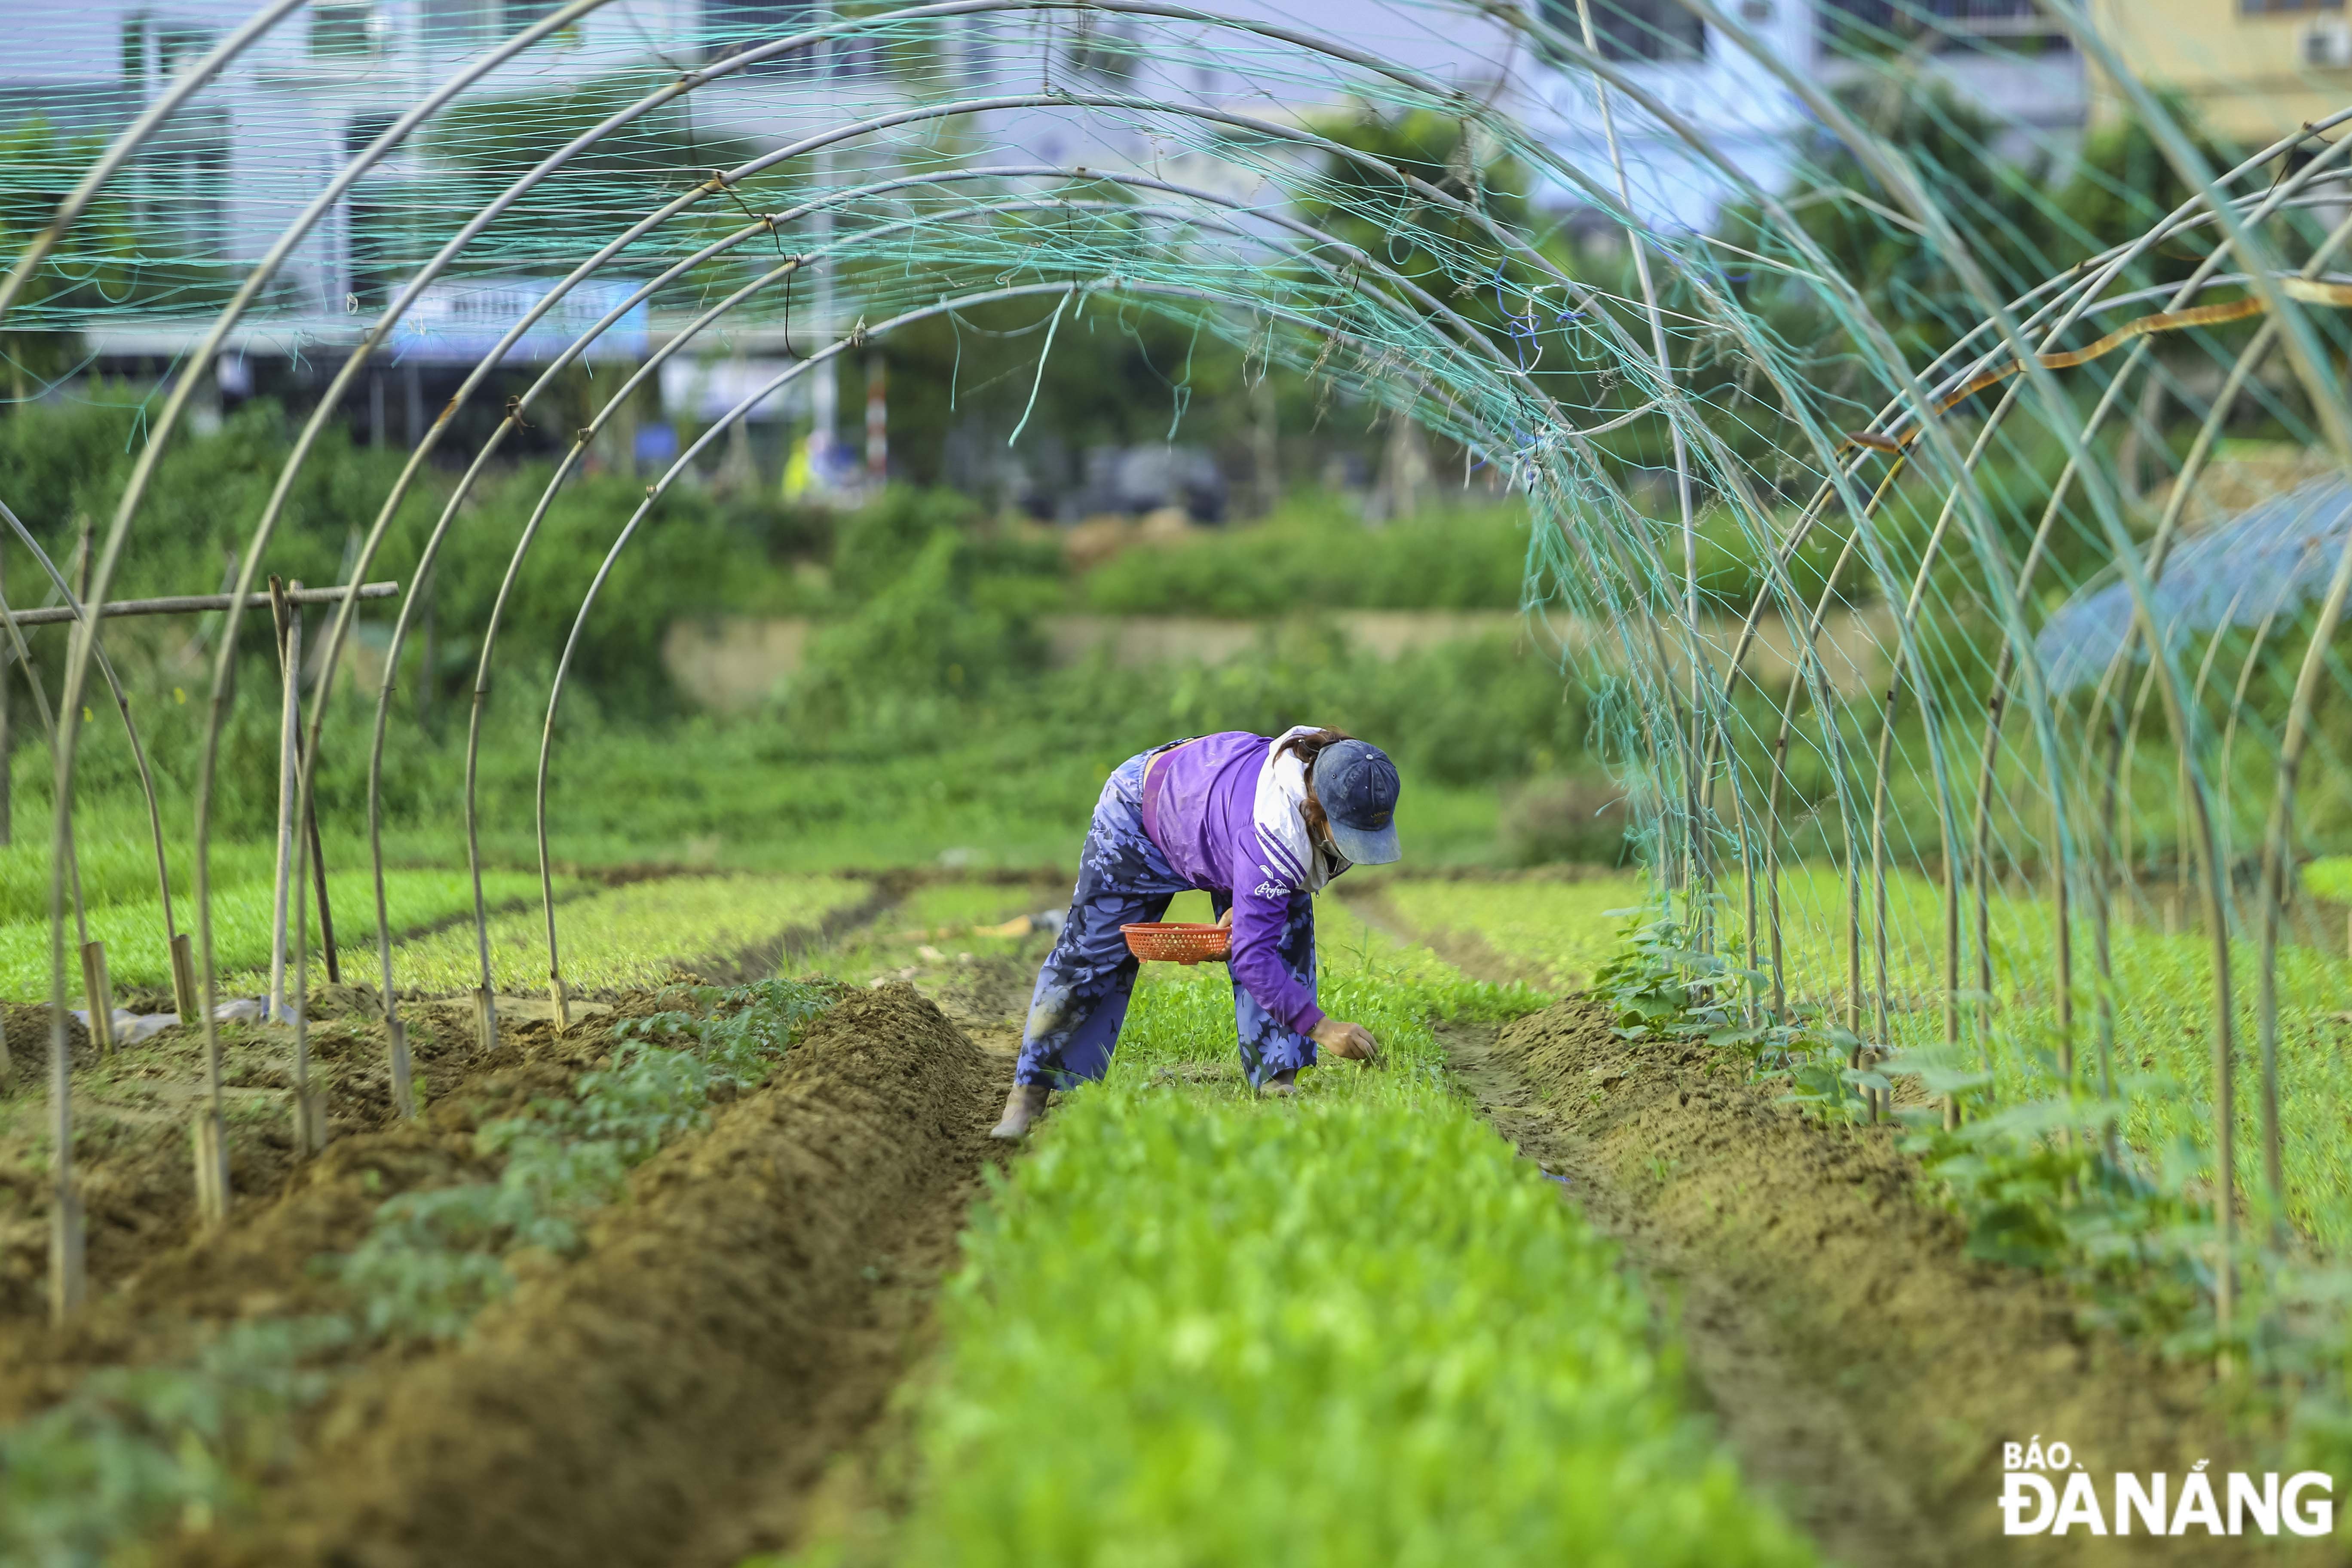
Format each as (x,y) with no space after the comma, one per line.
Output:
(133,1112)
(1861,1363)
(728,1326)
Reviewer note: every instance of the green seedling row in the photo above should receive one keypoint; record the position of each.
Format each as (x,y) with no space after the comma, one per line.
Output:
(640,934)
(1349,1328)
(2160,1063)
(1563,931)
(137,953)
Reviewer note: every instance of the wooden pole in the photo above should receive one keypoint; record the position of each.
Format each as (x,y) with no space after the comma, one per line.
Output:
(403,1088)
(319,880)
(7,738)
(211,1147)
(66,1276)
(290,719)
(185,995)
(99,996)
(310,823)
(191,603)
(428,661)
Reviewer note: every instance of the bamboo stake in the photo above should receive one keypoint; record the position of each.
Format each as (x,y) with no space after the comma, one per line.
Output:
(7,753)
(99,996)
(75,604)
(1772,877)
(289,659)
(211,1151)
(309,803)
(69,1265)
(188,604)
(185,995)
(310,1120)
(403,1087)
(67,1279)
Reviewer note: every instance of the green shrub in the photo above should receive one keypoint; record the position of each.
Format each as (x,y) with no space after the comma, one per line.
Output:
(1469,559)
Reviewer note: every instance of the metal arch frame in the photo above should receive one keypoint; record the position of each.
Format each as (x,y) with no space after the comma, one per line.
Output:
(2335,413)
(397,132)
(1468,335)
(142,473)
(185,86)
(683,461)
(1142,105)
(722,181)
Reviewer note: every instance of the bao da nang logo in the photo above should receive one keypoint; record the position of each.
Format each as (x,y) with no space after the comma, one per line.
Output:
(2044,1492)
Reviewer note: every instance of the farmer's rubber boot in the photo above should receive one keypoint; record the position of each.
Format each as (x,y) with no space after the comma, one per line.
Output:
(1023,1106)
(1284,1082)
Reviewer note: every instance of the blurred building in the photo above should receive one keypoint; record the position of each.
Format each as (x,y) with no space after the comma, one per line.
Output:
(2251,70)
(2006,59)
(259,145)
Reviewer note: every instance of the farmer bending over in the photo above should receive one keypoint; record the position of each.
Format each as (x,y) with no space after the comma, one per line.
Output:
(1261,826)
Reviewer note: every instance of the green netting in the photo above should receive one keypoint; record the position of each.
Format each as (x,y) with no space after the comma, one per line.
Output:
(1893,502)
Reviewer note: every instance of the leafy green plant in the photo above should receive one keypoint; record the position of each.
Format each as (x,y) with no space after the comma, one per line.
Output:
(133,1450)
(1214,1287)
(1658,983)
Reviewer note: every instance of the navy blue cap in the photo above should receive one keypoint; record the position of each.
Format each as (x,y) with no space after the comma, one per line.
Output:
(1357,786)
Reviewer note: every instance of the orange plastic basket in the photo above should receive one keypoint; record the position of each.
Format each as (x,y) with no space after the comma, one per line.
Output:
(1175,941)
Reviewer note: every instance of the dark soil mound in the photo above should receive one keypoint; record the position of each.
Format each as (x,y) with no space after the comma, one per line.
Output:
(1860,1358)
(132,1113)
(596,1414)
(176,1284)
(28,1043)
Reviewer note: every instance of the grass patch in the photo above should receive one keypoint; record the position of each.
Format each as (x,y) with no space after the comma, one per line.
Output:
(1460,558)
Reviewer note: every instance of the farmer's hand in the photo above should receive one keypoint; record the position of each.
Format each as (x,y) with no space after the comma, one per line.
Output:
(1227,919)
(1353,1042)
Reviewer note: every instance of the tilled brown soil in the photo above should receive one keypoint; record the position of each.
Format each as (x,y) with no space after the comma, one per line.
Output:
(133,1112)
(745,1312)
(168,1287)
(1862,1366)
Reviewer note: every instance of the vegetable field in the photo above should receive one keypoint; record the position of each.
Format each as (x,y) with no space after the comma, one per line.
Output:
(514,934)
(1492,1292)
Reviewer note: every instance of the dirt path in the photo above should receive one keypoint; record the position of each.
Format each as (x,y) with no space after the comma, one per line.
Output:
(1863,1366)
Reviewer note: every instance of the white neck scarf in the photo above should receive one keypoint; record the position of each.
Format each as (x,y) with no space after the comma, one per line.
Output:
(1287,854)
